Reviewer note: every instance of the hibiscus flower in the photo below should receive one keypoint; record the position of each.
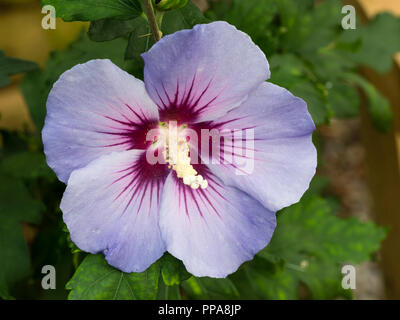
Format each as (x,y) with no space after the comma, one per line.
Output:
(104,127)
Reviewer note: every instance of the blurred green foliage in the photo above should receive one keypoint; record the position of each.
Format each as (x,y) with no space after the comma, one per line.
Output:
(78,10)
(309,245)
(313,56)
(10,66)
(309,54)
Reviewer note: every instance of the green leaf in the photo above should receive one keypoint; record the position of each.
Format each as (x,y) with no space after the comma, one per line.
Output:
(183,18)
(110,29)
(172,270)
(314,243)
(10,66)
(340,240)
(166,5)
(343,99)
(328,63)
(84,10)
(37,84)
(380,41)
(16,206)
(243,14)
(316,101)
(323,279)
(270,281)
(378,105)
(27,165)
(168,292)
(210,288)
(16,203)
(140,39)
(96,280)
(304,29)
(35,90)
(320,27)
(286,70)
(286,281)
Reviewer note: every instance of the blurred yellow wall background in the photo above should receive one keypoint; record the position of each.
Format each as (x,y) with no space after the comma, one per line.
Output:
(22,36)
(373,7)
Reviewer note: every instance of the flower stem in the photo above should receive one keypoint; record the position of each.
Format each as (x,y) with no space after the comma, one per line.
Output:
(155,29)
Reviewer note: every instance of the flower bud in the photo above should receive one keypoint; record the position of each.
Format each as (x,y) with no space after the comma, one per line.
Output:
(165,5)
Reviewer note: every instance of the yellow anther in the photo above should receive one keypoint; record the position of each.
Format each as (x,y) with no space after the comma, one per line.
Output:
(176,154)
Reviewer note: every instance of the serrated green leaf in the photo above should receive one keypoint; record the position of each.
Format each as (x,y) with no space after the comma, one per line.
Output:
(340,240)
(329,63)
(10,66)
(96,280)
(271,282)
(324,279)
(380,41)
(172,270)
(314,244)
(244,13)
(305,29)
(85,10)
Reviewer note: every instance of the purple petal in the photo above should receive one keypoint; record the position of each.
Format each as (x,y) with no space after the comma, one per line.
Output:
(112,206)
(213,230)
(200,74)
(276,165)
(94,109)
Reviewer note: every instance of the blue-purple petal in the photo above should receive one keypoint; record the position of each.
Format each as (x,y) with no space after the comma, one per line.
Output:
(112,206)
(276,165)
(213,230)
(200,74)
(94,109)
